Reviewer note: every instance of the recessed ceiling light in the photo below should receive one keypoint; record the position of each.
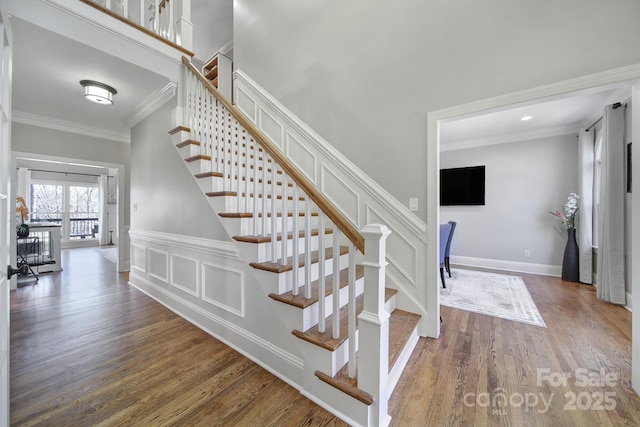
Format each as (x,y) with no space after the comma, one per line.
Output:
(97,92)
(525,118)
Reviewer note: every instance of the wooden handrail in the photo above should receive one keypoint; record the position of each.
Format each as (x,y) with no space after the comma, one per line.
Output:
(318,198)
(138,27)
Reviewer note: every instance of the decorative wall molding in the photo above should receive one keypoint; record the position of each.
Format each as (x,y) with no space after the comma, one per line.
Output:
(151,103)
(519,267)
(213,247)
(71,127)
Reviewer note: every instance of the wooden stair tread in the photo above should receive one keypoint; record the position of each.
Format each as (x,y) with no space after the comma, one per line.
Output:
(267,239)
(301,302)
(187,142)
(208,175)
(276,267)
(196,158)
(401,326)
(347,388)
(221,193)
(325,339)
(250,214)
(179,129)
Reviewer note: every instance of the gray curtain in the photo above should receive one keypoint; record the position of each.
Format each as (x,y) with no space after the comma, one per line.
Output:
(585,215)
(610,264)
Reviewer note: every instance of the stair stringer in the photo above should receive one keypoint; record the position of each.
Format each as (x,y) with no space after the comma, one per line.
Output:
(347,408)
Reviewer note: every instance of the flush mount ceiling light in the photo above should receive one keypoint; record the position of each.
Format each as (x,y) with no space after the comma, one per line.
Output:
(97,92)
(525,118)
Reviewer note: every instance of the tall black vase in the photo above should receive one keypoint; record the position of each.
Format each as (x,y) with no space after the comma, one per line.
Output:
(571,259)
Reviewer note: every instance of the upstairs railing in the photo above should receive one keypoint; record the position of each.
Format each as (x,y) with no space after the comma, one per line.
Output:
(167,20)
(266,186)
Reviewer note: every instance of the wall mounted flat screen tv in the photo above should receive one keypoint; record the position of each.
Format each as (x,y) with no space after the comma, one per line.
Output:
(462,186)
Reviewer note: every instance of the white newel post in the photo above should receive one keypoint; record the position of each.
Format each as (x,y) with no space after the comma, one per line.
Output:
(183,26)
(373,349)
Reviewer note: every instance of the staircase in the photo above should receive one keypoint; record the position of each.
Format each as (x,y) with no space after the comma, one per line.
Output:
(324,278)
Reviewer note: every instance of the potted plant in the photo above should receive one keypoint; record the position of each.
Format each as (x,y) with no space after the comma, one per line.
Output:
(22,229)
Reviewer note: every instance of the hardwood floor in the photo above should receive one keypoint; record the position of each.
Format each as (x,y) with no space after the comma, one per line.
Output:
(88,349)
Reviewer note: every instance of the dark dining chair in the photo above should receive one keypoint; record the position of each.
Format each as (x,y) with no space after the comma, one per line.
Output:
(448,248)
(445,230)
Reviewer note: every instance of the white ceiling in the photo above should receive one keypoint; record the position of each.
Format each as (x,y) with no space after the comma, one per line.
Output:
(559,116)
(46,81)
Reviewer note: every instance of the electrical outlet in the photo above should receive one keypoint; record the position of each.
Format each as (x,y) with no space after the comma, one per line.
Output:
(135,207)
(527,253)
(413,204)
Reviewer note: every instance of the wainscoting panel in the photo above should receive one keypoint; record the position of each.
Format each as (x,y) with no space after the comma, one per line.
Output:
(158,264)
(184,274)
(401,253)
(340,194)
(301,157)
(270,127)
(138,258)
(246,104)
(223,288)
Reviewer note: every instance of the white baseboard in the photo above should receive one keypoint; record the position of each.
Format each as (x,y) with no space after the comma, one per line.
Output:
(629,305)
(496,264)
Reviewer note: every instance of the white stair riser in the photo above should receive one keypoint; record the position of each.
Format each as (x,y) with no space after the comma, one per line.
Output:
(189,150)
(234,204)
(303,319)
(323,360)
(280,283)
(245,226)
(199,166)
(261,252)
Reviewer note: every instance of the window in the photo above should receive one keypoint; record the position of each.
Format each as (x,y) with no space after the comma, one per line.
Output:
(75,206)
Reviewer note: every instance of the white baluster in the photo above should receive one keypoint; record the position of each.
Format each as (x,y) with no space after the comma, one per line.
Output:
(307,246)
(274,216)
(256,220)
(263,191)
(322,311)
(156,17)
(285,230)
(336,283)
(247,159)
(351,309)
(296,250)
(141,20)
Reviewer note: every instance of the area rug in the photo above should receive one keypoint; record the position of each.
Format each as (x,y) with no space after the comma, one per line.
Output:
(493,294)
(110,253)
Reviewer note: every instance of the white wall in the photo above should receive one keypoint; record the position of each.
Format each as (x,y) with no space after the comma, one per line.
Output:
(164,196)
(524,181)
(365,74)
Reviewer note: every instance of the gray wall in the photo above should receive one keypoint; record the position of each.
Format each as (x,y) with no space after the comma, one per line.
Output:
(364,74)
(167,198)
(38,140)
(524,181)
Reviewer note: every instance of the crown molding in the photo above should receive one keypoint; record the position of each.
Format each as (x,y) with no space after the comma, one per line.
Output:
(151,103)
(71,127)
